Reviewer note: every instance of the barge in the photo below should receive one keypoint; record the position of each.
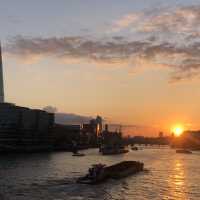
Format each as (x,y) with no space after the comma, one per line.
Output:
(100,173)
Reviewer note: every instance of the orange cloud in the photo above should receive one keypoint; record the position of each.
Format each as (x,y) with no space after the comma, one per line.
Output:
(126,21)
(179,20)
(182,59)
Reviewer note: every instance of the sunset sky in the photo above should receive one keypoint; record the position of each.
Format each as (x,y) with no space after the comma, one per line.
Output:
(134,62)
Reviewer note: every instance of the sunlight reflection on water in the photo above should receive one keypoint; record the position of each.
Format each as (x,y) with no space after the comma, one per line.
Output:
(177,180)
(52,176)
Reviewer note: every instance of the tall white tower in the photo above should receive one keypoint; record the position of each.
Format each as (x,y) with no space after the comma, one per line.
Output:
(1,79)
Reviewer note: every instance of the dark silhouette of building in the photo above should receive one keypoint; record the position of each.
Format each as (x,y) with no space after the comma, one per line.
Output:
(188,139)
(148,140)
(160,135)
(65,135)
(91,131)
(24,129)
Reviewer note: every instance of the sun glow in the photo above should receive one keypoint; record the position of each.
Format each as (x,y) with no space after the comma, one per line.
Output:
(178,130)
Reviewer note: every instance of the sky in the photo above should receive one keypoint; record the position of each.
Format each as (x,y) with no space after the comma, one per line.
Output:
(134,62)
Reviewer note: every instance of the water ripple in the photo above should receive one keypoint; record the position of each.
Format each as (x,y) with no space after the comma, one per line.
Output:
(52,176)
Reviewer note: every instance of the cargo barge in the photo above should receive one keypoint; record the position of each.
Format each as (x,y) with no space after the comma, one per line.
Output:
(100,173)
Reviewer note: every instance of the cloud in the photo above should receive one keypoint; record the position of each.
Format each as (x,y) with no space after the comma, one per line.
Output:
(178,20)
(184,20)
(174,34)
(74,48)
(126,21)
(67,118)
(50,109)
(70,118)
(171,41)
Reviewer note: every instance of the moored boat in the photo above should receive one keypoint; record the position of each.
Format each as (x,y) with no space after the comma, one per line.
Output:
(183,151)
(134,148)
(100,173)
(113,150)
(78,154)
(112,143)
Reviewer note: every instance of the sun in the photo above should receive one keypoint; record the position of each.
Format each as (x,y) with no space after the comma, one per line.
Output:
(178,130)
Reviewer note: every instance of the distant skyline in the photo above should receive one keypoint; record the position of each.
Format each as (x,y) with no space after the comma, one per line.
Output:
(135,63)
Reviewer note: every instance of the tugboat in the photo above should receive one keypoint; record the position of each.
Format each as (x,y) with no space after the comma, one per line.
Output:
(100,173)
(112,142)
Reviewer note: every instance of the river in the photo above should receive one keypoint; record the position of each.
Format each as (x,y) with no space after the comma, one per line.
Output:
(52,176)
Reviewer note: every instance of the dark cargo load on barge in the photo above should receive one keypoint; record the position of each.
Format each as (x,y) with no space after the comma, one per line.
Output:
(99,173)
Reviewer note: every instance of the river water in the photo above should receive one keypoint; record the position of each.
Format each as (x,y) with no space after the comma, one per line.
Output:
(52,176)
